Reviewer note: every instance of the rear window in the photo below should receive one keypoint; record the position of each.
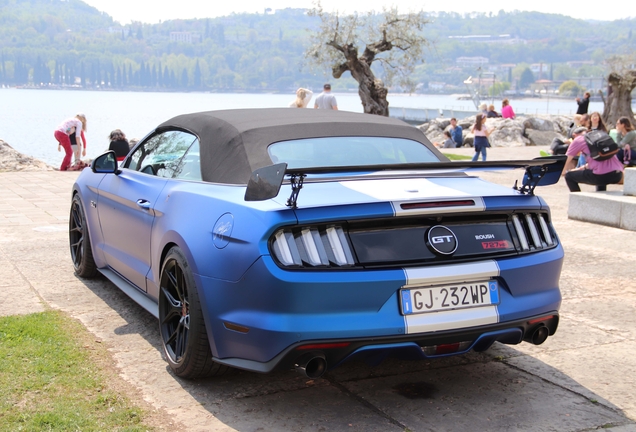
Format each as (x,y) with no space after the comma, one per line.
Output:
(349,151)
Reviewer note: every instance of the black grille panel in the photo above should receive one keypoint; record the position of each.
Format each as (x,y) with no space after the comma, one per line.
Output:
(477,236)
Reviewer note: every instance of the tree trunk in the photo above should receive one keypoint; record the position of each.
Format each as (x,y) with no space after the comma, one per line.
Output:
(619,98)
(371,89)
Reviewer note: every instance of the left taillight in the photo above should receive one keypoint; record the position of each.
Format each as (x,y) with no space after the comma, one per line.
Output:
(303,247)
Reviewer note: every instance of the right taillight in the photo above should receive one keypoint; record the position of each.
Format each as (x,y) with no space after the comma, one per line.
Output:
(532,231)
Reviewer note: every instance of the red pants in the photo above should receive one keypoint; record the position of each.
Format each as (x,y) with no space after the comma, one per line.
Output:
(64,140)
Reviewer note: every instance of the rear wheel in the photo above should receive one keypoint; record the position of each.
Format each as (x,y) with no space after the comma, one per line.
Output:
(80,241)
(183,335)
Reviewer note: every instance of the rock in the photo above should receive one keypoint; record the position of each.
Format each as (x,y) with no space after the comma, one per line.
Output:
(539,124)
(521,131)
(13,160)
(539,137)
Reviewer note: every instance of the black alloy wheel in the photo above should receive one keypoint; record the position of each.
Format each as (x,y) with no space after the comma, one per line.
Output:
(181,325)
(79,241)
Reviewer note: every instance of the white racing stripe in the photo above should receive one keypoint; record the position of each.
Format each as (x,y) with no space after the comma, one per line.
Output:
(437,275)
(404,189)
(451,319)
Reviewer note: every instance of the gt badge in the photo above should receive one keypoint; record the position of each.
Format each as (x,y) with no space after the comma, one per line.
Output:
(442,240)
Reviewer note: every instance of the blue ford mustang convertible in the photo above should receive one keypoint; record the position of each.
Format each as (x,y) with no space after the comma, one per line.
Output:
(268,239)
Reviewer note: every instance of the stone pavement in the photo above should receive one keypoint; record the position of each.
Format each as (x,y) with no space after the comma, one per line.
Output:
(581,379)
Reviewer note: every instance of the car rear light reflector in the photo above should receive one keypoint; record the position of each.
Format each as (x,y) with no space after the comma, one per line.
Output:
(312,247)
(538,320)
(442,349)
(323,346)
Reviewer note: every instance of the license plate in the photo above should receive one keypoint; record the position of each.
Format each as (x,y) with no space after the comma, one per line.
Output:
(447,297)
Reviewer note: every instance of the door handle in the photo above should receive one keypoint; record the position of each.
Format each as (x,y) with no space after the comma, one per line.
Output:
(144,204)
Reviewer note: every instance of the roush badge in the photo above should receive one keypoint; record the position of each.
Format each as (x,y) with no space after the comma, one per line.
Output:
(442,240)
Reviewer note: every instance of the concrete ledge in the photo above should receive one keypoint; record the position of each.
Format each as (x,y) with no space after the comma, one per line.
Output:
(629,185)
(604,208)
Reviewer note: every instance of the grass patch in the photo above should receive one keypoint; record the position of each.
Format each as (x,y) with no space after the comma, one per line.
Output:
(49,379)
(453,157)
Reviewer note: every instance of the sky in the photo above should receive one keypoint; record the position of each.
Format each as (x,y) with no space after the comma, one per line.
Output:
(145,11)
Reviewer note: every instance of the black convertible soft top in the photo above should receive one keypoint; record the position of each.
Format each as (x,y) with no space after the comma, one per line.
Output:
(233,143)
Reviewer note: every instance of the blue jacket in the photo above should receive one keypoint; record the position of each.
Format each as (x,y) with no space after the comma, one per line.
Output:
(456,134)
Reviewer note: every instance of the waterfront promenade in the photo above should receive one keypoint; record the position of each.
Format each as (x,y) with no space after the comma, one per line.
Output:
(581,379)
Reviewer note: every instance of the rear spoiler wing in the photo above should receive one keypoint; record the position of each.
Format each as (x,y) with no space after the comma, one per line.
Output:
(265,182)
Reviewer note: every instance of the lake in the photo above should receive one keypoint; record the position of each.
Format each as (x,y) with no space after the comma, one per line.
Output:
(28,117)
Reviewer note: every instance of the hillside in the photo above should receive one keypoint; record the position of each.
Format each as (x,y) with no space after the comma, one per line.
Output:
(68,43)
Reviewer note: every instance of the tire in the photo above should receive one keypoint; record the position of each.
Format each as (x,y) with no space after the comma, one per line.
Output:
(80,241)
(181,326)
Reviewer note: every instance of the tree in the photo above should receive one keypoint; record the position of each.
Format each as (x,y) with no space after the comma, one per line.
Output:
(395,41)
(570,88)
(527,78)
(620,83)
(498,88)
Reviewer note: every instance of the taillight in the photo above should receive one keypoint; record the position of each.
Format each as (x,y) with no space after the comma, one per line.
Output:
(312,247)
(533,231)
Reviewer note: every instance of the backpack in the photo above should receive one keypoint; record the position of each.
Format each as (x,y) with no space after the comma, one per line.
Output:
(601,145)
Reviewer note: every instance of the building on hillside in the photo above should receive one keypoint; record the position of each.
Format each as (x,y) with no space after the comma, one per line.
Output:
(471,61)
(187,37)
(577,64)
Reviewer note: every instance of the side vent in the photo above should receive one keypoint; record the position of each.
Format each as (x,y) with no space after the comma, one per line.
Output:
(532,231)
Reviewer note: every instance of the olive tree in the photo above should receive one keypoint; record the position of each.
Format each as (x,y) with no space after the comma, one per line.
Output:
(620,83)
(390,40)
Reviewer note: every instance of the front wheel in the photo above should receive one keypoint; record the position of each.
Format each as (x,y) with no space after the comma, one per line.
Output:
(80,241)
(183,335)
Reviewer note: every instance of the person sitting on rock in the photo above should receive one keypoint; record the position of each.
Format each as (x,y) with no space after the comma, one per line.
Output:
(491,112)
(448,142)
(506,109)
(119,144)
(627,141)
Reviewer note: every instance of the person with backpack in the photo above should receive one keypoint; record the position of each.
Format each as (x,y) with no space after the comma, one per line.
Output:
(599,171)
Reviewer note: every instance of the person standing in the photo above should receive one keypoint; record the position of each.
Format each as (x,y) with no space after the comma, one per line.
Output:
(481,133)
(456,133)
(597,173)
(506,109)
(583,103)
(326,100)
(73,126)
(303,96)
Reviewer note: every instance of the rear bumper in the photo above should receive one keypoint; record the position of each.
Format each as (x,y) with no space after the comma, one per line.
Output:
(258,322)
(375,350)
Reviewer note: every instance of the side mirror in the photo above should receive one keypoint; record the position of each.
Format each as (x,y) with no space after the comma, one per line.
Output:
(105,164)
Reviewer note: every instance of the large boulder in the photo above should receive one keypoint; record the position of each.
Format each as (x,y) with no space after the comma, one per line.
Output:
(540,138)
(518,132)
(13,160)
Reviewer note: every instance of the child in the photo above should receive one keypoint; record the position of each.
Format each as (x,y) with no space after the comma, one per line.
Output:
(481,137)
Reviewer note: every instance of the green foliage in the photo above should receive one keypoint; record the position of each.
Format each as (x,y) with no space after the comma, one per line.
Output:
(526,78)
(49,382)
(498,88)
(570,88)
(73,42)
